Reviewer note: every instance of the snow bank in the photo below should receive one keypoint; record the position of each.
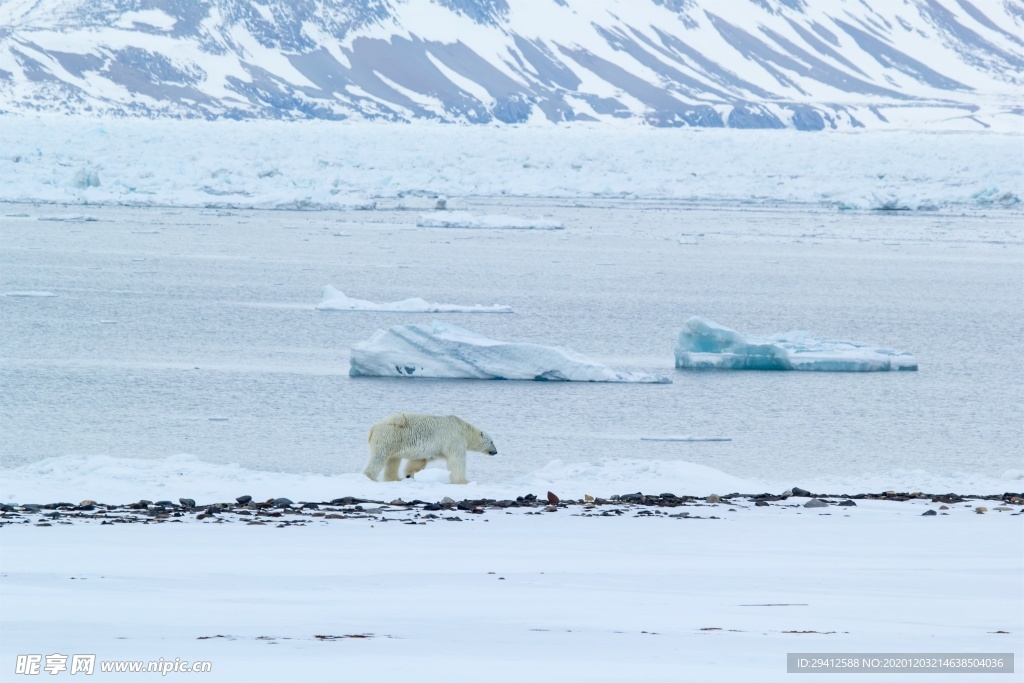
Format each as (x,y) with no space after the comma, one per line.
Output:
(464,219)
(444,350)
(335,300)
(704,344)
(107,479)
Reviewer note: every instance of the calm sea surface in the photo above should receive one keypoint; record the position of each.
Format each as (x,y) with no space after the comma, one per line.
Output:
(194,331)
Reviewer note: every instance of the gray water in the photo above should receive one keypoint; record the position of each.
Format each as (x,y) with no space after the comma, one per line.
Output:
(194,331)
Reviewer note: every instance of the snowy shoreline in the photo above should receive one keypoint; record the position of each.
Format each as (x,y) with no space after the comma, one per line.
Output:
(285,512)
(659,599)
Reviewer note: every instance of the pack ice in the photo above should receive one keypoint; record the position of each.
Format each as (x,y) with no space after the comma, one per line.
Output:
(444,350)
(705,344)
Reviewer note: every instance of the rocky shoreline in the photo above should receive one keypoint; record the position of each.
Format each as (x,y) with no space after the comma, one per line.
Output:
(282,512)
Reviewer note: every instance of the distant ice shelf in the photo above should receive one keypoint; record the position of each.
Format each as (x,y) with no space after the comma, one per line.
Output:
(335,300)
(464,219)
(448,351)
(703,344)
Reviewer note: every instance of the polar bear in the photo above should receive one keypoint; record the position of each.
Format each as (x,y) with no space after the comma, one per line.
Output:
(419,438)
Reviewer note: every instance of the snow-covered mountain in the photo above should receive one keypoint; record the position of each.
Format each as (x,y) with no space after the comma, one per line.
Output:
(808,64)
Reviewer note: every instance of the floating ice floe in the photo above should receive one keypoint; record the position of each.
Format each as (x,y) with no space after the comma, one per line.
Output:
(704,344)
(464,219)
(444,350)
(335,300)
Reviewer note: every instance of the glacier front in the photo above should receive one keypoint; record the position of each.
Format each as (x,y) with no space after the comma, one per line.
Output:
(445,350)
(703,344)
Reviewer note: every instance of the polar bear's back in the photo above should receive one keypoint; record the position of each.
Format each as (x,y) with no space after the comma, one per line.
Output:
(402,431)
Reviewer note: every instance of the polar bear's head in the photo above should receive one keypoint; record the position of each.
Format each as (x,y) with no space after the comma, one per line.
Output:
(486,445)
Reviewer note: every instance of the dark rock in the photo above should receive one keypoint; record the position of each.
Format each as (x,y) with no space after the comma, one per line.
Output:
(242,500)
(803,493)
(553,499)
(32,507)
(947,498)
(505,503)
(816,503)
(187,502)
(165,503)
(631,497)
(310,506)
(465,505)
(848,503)
(432,507)
(761,503)
(929,513)
(281,502)
(670,496)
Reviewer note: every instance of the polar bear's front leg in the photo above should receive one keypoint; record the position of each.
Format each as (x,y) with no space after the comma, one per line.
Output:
(456,467)
(414,466)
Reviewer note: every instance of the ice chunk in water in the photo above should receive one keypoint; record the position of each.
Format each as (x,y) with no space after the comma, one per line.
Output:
(705,344)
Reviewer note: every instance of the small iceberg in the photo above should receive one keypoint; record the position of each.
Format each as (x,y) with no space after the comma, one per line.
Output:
(444,350)
(464,219)
(703,344)
(335,300)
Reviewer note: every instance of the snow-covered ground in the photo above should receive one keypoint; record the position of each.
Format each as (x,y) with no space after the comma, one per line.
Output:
(324,165)
(723,592)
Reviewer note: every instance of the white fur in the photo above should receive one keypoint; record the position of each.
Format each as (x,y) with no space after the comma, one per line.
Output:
(419,438)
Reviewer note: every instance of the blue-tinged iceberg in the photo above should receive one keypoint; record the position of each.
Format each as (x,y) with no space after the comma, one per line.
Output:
(445,350)
(704,344)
